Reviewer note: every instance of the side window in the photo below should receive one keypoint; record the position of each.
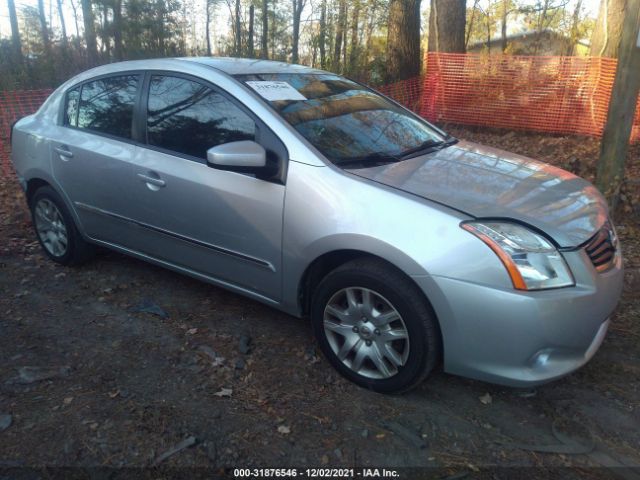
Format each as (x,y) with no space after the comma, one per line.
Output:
(71,107)
(106,105)
(189,118)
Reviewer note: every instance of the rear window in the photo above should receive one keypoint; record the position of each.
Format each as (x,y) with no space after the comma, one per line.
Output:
(106,105)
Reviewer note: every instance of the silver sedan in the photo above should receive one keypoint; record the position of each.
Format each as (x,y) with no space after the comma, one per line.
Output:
(320,197)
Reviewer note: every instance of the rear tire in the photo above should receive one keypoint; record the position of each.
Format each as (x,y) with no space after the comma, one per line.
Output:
(56,230)
(375,326)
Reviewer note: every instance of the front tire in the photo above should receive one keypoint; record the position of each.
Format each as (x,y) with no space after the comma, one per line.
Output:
(56,230)
(375,326)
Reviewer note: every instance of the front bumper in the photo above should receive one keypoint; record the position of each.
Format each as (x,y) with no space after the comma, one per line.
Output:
(519,338)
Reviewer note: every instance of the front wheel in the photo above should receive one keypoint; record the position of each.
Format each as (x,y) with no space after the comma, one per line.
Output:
(375,326)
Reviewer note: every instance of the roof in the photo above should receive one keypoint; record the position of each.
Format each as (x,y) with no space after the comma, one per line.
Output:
(242,66)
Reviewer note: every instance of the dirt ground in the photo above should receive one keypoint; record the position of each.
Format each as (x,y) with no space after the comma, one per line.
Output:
(110,385)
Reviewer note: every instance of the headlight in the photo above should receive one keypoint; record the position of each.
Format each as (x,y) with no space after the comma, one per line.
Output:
(531,261)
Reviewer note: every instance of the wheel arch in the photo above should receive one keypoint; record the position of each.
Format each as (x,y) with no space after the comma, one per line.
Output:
(329,261)
(33,185)
(37,179)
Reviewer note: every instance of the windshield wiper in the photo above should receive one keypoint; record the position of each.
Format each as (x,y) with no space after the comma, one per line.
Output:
(377,158)
(428,146)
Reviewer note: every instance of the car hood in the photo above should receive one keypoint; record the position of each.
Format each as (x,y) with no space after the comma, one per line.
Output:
(485,182)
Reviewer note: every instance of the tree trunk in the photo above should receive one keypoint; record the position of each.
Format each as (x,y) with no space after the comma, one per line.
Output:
(503,26)
(342,12)
(117,30)
(63,27)
(89,32)
(371,14)
(207,28)
(106,36)
(250,48)
(75,21)
(238,32)
(298,6)
(447,26)
(488,23)
(403,40)
(15,32)
(605,39)
(345,23)
(44,30)
(575,22)
(323,35)
(353,54)
(624,96)
(469,27)
(264,53)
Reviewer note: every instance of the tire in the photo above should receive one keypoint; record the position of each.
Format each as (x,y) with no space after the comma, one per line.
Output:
(55,229)
(397,301)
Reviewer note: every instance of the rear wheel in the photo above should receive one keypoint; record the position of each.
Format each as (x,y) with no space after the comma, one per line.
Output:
(56,230)
(375,326)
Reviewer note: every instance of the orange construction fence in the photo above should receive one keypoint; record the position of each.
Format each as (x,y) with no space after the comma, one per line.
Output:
(565,95)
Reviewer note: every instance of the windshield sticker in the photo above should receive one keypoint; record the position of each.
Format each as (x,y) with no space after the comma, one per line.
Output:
(274,91)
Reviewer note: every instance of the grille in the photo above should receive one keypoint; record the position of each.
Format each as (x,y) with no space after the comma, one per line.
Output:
(602,248)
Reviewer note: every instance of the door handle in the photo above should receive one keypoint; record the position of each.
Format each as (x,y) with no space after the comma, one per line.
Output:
(63,151)
(158,182)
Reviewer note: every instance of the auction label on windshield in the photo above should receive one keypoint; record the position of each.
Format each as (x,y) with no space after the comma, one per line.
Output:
(275,91)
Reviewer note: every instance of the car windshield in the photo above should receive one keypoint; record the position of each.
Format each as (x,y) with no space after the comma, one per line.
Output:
(347,122)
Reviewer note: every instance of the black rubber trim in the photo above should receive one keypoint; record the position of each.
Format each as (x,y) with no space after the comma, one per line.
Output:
(224,251)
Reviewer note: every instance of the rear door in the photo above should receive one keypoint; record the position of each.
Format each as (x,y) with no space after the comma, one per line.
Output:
(92,151)
(225,225)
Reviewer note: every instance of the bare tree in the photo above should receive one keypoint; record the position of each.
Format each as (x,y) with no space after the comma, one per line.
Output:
(403,40)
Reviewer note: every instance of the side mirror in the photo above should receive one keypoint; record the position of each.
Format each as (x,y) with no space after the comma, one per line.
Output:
(243,156)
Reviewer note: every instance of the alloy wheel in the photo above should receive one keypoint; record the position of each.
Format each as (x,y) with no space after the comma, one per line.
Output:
(51,227)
